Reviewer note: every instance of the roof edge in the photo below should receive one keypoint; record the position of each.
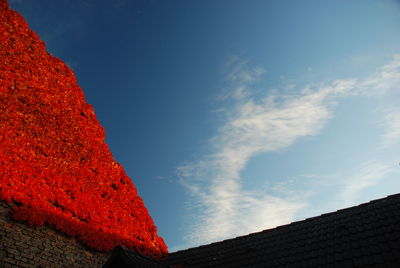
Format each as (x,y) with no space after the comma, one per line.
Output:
(292,223)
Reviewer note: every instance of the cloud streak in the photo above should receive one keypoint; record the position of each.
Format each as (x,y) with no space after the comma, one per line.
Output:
(385,80)
(368,174)
(257,125)
(391,126)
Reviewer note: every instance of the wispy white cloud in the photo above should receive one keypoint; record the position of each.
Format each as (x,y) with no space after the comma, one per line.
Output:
(257,125)
(252,127)
(367,175)
(391,126)
(386,82)
(387,78)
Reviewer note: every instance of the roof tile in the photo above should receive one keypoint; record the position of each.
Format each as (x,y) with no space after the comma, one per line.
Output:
(360,236)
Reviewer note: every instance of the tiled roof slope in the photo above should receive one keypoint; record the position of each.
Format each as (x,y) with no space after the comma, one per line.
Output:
(367,235)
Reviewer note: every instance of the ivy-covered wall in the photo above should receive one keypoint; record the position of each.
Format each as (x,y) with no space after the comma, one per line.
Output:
(55,166)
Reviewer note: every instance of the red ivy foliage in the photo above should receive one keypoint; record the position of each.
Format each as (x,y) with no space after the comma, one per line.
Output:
(55,166)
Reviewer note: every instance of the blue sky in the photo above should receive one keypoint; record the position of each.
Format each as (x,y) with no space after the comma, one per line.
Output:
(235,116)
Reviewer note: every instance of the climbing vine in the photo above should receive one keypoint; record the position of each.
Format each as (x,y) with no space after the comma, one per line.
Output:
(55,166)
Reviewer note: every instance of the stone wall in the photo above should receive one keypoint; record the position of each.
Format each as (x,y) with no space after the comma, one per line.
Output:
(23,246)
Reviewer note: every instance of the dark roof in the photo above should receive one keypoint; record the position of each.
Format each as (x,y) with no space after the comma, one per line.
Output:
(124,258)
(367,235)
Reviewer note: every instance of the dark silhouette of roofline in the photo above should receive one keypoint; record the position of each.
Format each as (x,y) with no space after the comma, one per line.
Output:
(366,235)
(289,224)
